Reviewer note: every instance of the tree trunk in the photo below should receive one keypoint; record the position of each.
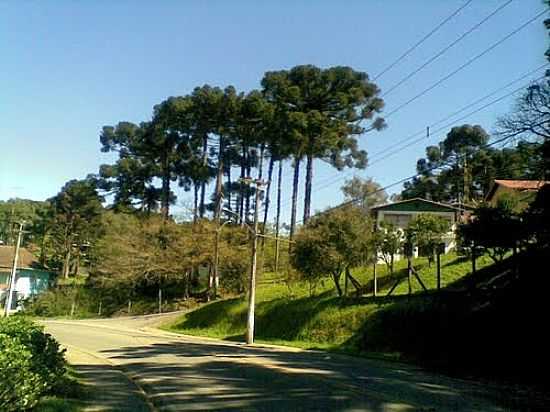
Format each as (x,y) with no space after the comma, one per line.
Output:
(204,163)
(66,262)
(346,281)
(336,279)
(230,207)
(278,216)
(219,183)
(67,258)
(267,190)
(196,203)
(308,183)
(165,202)
(76,263)
(186,287)
(247,189)
(294,198)
(242,186)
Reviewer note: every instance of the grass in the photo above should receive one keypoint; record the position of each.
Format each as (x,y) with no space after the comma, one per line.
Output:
(288,315)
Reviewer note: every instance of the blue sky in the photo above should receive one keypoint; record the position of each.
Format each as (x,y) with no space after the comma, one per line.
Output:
(69,67)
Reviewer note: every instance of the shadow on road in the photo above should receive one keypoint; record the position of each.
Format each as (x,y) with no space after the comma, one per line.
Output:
(199,376)
(108,389)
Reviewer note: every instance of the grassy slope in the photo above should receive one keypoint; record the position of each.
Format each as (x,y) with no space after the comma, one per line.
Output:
(288,315)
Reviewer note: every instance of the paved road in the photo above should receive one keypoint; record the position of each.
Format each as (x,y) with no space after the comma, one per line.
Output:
(187,373)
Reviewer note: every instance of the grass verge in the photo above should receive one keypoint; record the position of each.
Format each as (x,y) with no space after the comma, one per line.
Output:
(287,314)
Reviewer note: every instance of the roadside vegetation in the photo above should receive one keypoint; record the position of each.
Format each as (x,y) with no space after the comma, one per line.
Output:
(34,370)
(289,312)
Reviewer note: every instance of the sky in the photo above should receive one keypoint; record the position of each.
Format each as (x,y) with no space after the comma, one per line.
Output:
(67,68)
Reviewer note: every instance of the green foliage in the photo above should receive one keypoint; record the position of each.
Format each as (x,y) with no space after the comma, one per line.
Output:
(287,314)
(333,242)
(365,191)
(388,240)
(13,211)
(20,386)
(48,359)
(31,363)
(462,167)
(323,109)
(427,231)
(494,229)
(72,223)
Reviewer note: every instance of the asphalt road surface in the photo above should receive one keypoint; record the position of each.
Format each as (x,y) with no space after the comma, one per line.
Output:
(176,373)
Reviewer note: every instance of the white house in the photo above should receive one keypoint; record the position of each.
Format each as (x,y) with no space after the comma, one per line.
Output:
(31,277)
(399,214)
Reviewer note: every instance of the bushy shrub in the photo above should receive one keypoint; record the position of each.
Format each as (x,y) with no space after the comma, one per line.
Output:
(20,385)
(46,358)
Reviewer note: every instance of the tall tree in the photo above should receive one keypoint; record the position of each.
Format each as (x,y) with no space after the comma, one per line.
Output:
(327,107)
(206,103)
(76,212)
(130,179)
(530,120)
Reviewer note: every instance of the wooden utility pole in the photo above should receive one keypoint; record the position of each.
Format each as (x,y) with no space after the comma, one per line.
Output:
(473,258)
(438,270)
(252,284)
(11,289)
(409,273)
(440,250)
(375,278)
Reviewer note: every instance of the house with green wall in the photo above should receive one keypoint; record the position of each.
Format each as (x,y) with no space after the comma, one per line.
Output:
(31,278)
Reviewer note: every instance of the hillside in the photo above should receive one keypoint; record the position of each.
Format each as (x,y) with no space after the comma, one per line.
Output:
(470,327)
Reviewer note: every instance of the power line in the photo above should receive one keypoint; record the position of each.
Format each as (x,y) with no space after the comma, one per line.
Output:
(467,106)
(470,61)
(327,183)
(422,40)
(447,48)
(459,119)
(352,201)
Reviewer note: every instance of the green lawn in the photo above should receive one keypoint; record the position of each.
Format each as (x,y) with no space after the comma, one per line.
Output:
(287,314)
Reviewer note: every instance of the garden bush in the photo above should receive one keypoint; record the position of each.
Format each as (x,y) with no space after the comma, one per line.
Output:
(46,362)
(20,385)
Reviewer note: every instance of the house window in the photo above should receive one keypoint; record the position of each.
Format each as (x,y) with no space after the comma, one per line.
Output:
(398,220)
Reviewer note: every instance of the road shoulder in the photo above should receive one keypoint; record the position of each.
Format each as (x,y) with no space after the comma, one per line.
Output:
(106,386)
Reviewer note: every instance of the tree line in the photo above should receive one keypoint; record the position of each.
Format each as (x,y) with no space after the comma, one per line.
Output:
(208,141)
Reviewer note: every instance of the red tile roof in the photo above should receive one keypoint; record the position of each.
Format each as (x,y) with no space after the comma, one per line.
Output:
(522,184)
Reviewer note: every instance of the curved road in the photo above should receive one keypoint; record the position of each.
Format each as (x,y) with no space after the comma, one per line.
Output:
(187,373)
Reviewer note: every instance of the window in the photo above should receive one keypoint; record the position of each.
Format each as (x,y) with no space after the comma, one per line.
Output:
(398,220)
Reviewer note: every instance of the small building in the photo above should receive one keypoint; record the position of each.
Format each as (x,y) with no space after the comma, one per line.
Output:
(31,277)
(399,214)
(526,189)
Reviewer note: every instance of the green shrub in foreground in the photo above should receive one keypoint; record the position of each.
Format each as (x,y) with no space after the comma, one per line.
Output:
(20,385)
(46,359)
